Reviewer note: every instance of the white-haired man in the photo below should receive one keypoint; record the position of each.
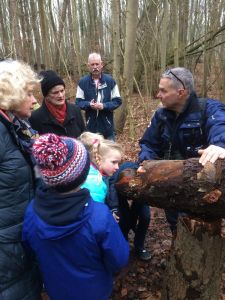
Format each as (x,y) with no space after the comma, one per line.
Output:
(98,95)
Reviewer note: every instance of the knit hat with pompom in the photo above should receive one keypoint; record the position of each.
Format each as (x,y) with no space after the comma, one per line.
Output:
(63,162)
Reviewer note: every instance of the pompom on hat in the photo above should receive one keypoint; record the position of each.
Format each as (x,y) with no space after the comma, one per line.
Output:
(50,79)
(63,162)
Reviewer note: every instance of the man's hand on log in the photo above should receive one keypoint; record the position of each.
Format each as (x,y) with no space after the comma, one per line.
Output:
(141,170)
(211,154)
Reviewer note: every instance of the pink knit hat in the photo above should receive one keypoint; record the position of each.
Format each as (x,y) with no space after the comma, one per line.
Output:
(63,162)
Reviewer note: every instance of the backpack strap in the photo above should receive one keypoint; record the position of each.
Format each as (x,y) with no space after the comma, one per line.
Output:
(202,104)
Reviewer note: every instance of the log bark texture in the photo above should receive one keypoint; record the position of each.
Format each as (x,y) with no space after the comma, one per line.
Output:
(182,185)
(195,266)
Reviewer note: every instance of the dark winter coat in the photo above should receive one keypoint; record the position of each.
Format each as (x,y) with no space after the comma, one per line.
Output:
(18,273)
(77,242)
(100,121)
(171,137)
(44,122)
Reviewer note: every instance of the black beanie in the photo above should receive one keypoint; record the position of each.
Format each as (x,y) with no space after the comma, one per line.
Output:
(50,79)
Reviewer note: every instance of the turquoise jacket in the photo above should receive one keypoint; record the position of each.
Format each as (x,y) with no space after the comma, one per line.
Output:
(96,184)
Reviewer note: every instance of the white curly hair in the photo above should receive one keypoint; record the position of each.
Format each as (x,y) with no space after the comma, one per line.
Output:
(15,78)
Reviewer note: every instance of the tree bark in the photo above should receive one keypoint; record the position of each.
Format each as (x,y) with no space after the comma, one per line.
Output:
(195,266)
(129,61)
(116,40)
(182,185)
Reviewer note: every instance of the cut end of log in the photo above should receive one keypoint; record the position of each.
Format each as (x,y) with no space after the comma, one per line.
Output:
(212,196)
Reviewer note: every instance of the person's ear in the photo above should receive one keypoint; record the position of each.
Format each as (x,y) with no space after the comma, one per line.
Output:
(182,92)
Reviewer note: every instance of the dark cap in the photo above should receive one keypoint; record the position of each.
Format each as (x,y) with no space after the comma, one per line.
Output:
(50,79)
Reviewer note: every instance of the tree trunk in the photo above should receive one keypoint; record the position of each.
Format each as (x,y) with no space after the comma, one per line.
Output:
(76,36)
(37,38)
(116,40)
(164,34)
(59,60)
(195,266)
(129,61)
(44,33)
(15,29)
(6,47)
(182,185)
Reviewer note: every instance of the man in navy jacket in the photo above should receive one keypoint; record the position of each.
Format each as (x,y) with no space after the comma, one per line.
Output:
(186,126)
(98,95)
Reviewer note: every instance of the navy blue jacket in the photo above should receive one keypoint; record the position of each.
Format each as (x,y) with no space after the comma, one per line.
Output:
(100,121)
(171,137)
(18,272)
(77,242)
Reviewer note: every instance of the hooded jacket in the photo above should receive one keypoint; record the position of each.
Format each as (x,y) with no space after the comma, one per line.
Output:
(77,243)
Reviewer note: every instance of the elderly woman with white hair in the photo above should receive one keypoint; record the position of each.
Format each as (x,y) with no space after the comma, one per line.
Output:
(19,279)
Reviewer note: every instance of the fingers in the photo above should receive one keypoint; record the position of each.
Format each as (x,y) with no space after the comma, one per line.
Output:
(141,170)
(211,154)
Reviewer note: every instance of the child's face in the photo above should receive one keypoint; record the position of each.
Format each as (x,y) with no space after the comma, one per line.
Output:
(109,163)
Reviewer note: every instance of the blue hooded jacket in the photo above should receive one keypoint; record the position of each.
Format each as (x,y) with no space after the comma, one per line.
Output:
(77,243)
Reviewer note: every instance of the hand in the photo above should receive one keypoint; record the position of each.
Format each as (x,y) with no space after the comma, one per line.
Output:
(141,170)
(130,202)
(99,106)
(93,104)
(117,218)
(211,154)
(96,105)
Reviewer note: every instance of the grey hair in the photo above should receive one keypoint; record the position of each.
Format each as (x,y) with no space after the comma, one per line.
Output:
(183,74)
(94,55)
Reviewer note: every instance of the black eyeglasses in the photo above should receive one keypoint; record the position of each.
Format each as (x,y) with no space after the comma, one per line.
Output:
(168,72)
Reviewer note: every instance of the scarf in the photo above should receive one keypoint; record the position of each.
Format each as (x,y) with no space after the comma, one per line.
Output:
(22,133)
(59,112)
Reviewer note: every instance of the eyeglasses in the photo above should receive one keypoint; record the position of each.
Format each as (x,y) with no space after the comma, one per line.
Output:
(168,72)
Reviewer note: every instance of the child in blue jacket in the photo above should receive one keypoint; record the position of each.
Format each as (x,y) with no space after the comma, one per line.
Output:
(76,240)
(105,157)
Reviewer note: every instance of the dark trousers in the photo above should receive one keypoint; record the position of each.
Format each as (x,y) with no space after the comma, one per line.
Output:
(172,218)
(137,218)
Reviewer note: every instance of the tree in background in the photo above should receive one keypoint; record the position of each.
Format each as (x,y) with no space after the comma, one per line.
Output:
(60,34)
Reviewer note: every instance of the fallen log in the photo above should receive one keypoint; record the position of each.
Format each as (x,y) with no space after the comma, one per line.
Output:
(194,268)
(182,185)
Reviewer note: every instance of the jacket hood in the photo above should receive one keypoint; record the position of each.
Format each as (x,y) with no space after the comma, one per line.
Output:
(58,215)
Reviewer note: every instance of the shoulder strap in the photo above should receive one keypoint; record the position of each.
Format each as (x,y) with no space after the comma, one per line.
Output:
(202,105)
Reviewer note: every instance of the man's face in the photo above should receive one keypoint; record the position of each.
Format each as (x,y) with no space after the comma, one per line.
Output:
(56,95)
(172,98)
(95,66)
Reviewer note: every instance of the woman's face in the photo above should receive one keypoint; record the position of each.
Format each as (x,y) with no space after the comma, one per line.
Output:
(26,107)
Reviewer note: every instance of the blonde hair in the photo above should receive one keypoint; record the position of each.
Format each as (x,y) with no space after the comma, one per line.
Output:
(15,78)
(97,146)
